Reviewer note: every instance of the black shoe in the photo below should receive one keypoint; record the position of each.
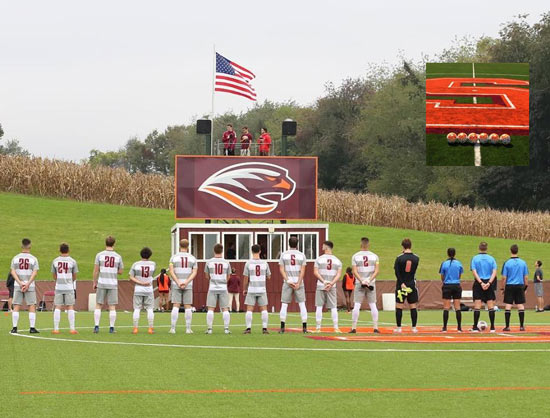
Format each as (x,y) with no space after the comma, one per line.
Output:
(305,331)
(376,331)
(13,330)
(247,331)
(96,329)
(506,329)
(265,331)
(444,329)
(353,331)
(34,331)
(474,329)
(282,331)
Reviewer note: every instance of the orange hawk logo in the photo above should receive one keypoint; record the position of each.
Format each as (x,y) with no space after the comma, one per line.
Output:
(255,188)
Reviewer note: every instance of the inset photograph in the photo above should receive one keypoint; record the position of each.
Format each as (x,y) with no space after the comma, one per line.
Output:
(477,114)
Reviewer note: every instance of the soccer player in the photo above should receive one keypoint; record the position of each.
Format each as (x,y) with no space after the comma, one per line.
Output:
(246,140)
(405,269)
(484,269)
(107,266)
(255,274)
(24,268)
(183,270)
(229,139)
(365,267)
(64,269)
(327,270)
(515,276)
(217,271)
(142,273)
(451,270)
(292,266)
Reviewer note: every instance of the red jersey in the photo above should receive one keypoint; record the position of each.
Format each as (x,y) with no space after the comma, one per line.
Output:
(229,139)
(246,139)
(265,142)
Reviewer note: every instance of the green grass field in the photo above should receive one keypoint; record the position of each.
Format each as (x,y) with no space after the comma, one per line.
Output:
(84,226)
(266,375)
(440,153)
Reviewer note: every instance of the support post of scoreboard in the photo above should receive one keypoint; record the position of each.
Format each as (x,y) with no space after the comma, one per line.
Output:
(204,127)
(288,129)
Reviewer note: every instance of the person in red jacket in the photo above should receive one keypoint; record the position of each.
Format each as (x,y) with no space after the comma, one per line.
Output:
(265,142)
(348,285)
(229,139)
(234,290)
(163,284)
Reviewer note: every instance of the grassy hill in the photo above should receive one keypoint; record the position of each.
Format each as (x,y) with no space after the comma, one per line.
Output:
(47,222)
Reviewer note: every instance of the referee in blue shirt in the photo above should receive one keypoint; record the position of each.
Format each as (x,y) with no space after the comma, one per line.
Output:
(484,269)
(451,270)
(514,279)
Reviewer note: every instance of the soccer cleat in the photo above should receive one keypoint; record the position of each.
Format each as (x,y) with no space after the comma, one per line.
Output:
(227,331)
(443,329)
(13,330)
(265,331)
(459,330)
(96,330)
(414,330)
(56,331)
(150,330)
(492,331)
(397,330)
(337,331)
(247,331)
(111,330)
(208,331)
(474,329)
(305,331)
(282,331)
(172,331)
(376,331)
(506,329)
(189,331)
(134,331)
(317,330)
(73,332)
(352,331)
(34,331)
(522,328)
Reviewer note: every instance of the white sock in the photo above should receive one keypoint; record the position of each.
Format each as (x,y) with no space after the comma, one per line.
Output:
(303,311)
(56,319)
(97,317)
(70,314)
(374,314)
(174,317)
(112,318)
(135,317)
(282,314)
(150,318)
(188,318)
(319,315)
(226,318)
(334,314)
(209,318)
(248,319)
(265,318)
(14,318)
(355,315)
(32,319)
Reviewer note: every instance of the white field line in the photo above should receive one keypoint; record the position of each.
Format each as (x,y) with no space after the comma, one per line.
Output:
(340,349)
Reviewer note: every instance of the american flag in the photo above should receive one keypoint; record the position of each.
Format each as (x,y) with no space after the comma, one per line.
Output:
(233,78)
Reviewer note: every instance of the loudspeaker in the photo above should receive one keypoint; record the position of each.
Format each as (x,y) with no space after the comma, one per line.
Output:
(289,128)
(204,126)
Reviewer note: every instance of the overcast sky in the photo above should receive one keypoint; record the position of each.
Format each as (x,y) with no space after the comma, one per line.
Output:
(80,75)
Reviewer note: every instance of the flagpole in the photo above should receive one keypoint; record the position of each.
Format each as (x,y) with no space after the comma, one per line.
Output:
(213,91)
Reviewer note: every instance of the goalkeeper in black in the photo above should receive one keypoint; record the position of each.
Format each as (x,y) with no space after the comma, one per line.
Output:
(405,290)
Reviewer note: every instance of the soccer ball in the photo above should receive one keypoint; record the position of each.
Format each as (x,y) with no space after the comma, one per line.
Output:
(483,138)
(472,138)
(505,139)
(482,325)
(494,138)
(462,137)
(451,138)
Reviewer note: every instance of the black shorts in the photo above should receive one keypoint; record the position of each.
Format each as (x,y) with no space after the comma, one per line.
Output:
(483,295)
(451,291)
(348,292)
(10,290)
(514,294)
(410,298)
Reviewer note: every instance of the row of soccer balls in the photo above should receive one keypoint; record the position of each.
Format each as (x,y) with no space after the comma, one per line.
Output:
(483,138)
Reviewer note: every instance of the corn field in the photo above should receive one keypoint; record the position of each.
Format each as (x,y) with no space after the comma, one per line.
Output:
(82,182)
